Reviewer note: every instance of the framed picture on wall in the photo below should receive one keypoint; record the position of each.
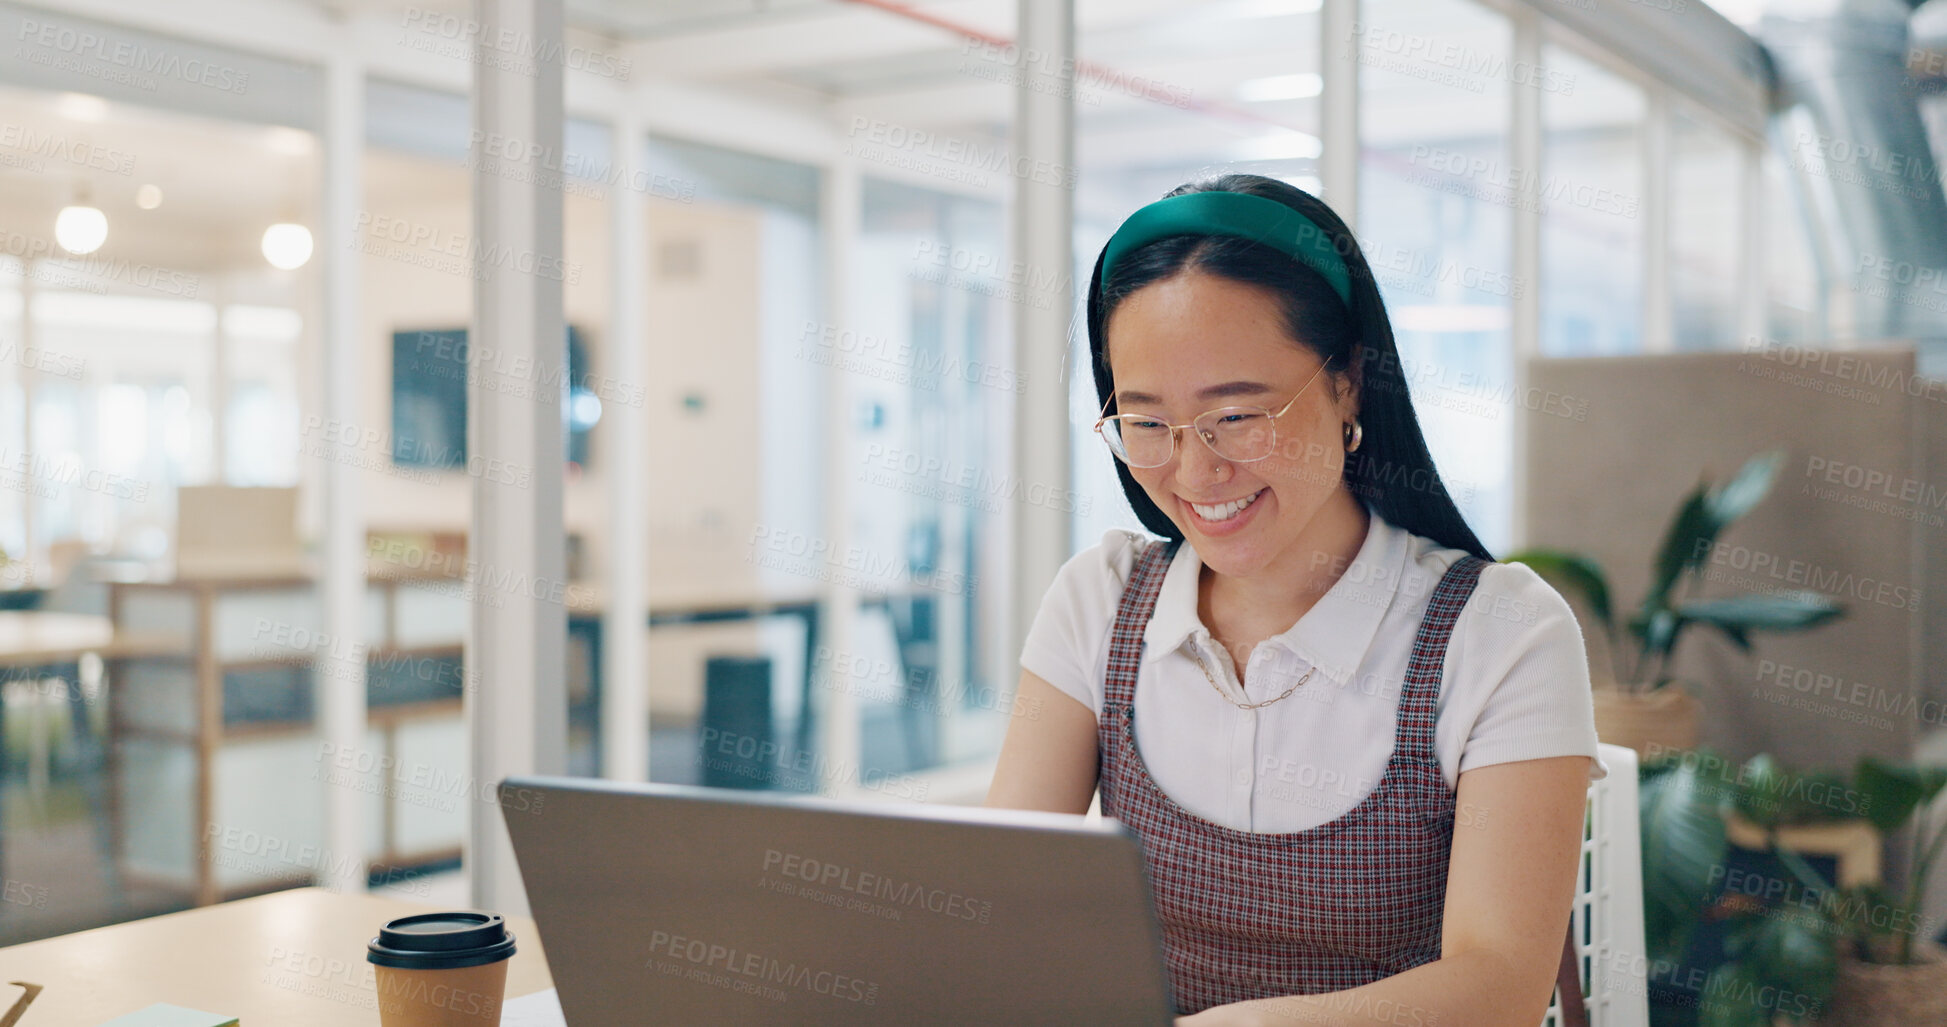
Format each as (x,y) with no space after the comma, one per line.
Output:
(429,388)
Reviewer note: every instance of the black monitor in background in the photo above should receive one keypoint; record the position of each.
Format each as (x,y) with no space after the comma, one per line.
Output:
(429,387)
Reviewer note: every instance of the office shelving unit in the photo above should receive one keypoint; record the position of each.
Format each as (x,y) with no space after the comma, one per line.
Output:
(216,774)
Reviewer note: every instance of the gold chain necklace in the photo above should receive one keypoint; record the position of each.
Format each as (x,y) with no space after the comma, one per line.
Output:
(1197,654)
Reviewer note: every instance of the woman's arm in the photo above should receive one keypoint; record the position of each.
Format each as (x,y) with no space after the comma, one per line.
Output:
(1510,882)
(1047,761)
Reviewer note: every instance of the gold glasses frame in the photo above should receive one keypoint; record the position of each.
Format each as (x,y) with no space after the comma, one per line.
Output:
(1176,429)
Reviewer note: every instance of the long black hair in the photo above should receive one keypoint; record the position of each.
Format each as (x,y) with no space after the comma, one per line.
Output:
(1391,472)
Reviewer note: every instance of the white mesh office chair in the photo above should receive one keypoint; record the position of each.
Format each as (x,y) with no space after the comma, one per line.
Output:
(1608,917)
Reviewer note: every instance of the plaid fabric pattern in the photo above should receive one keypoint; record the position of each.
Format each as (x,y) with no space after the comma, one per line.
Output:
(1248,915)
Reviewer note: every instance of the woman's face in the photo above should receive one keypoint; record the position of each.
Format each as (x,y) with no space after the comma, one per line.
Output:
(1194,342)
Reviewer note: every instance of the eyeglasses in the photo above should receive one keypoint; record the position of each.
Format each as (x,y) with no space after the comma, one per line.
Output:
(1242,434)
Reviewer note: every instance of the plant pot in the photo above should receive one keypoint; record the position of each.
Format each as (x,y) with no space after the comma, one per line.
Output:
(1655,721)
(1890,995)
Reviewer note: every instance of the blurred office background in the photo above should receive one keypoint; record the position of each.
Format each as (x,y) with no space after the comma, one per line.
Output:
(803,318)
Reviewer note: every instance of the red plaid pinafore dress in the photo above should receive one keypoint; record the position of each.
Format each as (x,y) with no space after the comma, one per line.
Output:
(1249,915)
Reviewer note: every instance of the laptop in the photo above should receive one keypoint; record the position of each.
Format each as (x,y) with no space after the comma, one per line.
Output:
(673,904)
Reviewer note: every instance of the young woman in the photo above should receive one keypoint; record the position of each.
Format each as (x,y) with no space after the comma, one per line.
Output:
(1355,749)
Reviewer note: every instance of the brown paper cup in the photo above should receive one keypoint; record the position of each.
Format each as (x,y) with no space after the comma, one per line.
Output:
(465,997)
(441,969)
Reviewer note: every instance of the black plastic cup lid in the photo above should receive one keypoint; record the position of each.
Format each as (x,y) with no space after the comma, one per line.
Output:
(441,941)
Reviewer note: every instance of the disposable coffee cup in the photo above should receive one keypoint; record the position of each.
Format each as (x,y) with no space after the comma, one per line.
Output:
(441,969)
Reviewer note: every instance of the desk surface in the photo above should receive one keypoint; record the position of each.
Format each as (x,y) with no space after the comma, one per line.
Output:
(291,958)
(30,637)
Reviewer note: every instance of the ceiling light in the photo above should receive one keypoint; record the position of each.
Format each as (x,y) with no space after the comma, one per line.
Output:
(82,107)
(148,196)
(1281,87)
(290,142)
(80,230)
(287,246)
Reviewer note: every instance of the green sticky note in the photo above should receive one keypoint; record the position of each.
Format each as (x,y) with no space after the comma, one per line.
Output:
(164,1015)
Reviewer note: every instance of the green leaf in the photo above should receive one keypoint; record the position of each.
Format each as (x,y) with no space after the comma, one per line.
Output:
(1771,795)
(1782,611)
(1683,846)
(1892,791)
(1684,545)
(1659,631)
(1782,962)
(1862,913)
(1574,570)
(1746,489)
(1753,792)
(1820,797)
(1727,999)
(1702,516)
(1793,949)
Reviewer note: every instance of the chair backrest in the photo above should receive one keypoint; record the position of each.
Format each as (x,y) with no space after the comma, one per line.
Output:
(1608,916)
(224,530)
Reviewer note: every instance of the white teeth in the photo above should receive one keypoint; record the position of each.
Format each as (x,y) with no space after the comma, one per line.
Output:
(1227,510)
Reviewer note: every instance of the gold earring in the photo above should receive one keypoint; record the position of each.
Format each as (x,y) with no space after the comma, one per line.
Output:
(1353,434)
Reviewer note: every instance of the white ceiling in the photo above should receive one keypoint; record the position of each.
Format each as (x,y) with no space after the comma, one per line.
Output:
(223,182)
(908,62)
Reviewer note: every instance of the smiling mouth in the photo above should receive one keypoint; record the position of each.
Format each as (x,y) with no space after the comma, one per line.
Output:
(1225,511)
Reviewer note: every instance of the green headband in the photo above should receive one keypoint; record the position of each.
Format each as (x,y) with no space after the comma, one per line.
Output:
(1243,215)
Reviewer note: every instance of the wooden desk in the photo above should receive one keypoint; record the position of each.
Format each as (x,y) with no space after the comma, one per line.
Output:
(36,638)
(670,608)
(292,958)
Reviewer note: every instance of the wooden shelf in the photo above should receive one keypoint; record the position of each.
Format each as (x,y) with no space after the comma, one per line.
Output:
(209,619)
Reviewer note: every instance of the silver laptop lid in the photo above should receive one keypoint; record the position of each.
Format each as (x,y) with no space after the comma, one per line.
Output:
(683,905)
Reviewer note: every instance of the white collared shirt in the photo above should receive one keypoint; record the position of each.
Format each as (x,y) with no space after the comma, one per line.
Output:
(1514,685)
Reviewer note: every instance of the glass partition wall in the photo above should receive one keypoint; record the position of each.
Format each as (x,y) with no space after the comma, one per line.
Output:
(417,242)
(747,671)
(927,446)
(1706,180)
(1591,191)
(131,340)
(734,422)
(157,301)
(1438,188)
(1167,95)
(183,351)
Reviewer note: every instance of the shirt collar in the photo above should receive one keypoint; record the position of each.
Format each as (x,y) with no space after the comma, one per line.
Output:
(1333,635)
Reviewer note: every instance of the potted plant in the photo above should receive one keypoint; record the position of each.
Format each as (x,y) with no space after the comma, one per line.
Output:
(1889,971)
(1724,950)
(1794,946)
(1640,704)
